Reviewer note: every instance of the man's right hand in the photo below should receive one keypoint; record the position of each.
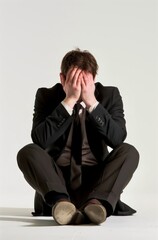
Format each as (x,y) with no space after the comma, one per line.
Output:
(72,85)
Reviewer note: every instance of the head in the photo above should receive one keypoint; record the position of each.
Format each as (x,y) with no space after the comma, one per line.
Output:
(81,59)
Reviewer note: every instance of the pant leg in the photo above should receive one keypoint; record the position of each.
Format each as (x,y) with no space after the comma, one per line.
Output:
(40,170)
(115,173)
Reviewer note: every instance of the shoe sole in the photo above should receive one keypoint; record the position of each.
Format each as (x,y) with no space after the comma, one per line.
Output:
(96,213)
(63,212)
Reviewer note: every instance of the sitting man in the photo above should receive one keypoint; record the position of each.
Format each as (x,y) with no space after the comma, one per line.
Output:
(75,177)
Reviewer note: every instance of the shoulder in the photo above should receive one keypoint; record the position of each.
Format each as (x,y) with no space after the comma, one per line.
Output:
(55,92)
(101,87)
(47,91)
(108,91)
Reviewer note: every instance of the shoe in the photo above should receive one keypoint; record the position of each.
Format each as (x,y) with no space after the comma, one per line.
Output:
(95,212)
(63,212)
(78,218)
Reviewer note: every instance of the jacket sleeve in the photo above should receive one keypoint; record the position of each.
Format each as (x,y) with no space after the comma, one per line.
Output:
(110,124)
(47,128)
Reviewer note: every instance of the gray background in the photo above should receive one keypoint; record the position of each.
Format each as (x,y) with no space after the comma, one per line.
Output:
(36,34)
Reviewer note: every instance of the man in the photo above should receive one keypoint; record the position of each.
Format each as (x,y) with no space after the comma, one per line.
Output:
(68,164)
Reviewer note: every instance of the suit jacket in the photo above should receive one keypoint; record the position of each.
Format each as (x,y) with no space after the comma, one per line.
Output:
(51,121)
(105,126)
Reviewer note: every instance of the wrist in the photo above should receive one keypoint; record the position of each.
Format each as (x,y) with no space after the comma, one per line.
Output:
(93,107)
(70,102)
(91,103)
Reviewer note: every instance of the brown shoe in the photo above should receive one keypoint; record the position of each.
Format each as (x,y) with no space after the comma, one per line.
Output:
(63,212)
(78,218)
(96,212)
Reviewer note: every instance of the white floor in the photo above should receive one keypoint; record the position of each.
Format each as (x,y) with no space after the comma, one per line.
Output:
(18,224)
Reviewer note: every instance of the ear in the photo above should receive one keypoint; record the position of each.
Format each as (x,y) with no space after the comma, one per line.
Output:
(62,79)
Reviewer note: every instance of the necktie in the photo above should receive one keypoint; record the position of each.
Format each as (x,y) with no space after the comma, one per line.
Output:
(76,148)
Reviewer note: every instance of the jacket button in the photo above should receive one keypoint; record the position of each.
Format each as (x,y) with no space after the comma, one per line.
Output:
(102,123)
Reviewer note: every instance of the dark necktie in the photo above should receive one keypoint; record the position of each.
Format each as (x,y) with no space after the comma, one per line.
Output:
(76,149)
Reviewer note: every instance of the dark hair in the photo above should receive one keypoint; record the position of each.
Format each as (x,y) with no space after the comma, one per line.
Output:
(82,59)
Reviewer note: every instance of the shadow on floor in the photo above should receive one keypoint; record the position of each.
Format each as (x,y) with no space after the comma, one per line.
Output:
(24,215)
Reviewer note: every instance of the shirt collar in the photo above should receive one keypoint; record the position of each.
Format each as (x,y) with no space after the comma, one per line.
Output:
(83,104)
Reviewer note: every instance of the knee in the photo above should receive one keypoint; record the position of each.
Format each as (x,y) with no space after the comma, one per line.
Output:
(24,153)
(132,153)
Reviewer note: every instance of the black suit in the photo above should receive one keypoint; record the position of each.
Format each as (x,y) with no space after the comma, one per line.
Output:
(105,126)
(51,123)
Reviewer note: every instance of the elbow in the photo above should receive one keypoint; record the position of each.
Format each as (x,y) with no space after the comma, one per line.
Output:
(124,134)
(34,137)
(119,138)
(37,139)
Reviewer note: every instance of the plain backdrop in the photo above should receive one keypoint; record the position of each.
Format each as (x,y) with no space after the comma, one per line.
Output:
(34,37)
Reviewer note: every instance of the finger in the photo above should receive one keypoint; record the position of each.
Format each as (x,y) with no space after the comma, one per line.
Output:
(71,73)
(85,74)
(84,78)
(77,75)
(79,79)
(88,77)
(83,85)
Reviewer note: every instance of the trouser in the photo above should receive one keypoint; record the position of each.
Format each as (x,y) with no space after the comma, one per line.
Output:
(104,181)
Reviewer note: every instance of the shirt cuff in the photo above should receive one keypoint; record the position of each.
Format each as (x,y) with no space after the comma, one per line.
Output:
(68,108)
(93,107)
